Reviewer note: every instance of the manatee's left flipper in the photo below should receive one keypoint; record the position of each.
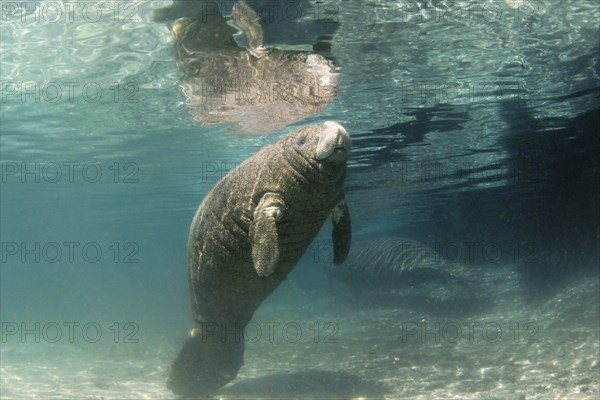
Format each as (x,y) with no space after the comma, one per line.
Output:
(247,19)
(263,233)
(342,231)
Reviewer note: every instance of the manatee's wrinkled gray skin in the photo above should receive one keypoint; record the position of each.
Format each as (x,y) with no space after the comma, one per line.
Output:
(248,233)
(256,89)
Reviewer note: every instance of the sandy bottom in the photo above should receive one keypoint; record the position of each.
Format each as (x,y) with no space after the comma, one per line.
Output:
(343,347)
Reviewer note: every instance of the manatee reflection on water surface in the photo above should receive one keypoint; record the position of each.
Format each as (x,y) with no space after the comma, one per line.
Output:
(256,89)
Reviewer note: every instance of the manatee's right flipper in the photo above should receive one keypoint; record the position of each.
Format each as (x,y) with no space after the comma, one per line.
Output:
(205,364)
(197,26)
(263,233)
(342,231)
(246,18)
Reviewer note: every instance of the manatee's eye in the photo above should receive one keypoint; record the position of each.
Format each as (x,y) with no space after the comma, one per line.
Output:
(301,141)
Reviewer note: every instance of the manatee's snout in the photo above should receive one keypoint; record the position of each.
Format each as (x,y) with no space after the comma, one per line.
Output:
(334,143)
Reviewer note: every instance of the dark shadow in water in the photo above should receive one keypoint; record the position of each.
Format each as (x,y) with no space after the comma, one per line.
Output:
(545,215)
(546,219)
(310,384)
(439,118)
(392,140)
(555,203)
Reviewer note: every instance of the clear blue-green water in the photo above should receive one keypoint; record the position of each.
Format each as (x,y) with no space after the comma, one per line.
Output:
(475,131)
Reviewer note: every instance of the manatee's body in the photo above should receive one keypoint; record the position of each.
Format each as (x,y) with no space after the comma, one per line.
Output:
(257,90)
(247,235)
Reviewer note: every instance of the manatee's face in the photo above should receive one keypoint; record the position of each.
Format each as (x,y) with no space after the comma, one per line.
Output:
(334,143)
(325,147)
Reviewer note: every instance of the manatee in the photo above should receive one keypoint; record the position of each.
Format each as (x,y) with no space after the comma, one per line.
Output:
(393,260)
(246,236)
(254,88)
(396,270)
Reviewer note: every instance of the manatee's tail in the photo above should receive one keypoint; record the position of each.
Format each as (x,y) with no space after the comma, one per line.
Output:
(204,365)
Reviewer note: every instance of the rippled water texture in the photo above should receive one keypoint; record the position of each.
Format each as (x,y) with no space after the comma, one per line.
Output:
(474,130)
